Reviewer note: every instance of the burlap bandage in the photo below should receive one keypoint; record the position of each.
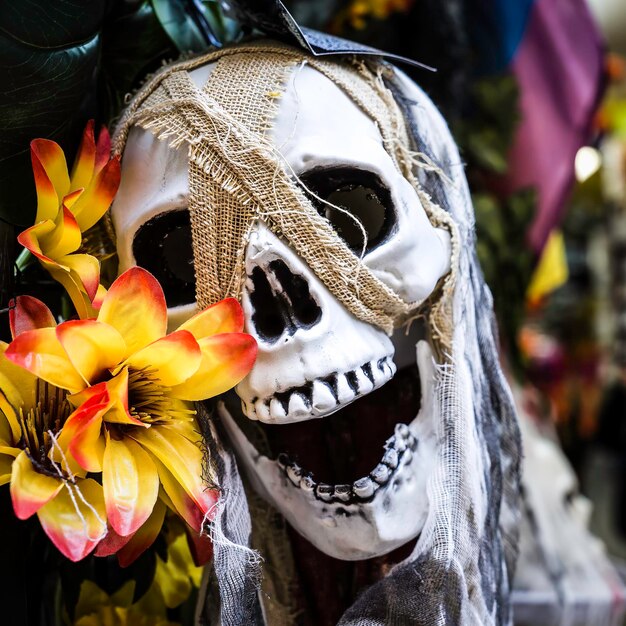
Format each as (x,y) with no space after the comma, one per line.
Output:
(237,176)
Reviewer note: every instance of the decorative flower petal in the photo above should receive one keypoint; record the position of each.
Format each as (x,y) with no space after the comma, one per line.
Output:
(135,305)
(224,317)
(178,500)
(84,163)
(17,391)
(64,239)
(28,313)
(99,297)
(92,347)
(112,543)
(75,289)
(51,177)
(226,360)
(75,532)
(31,239)
(40,352)
(171,359)
(144,537)
(200,546)
(182,458)
(116,411)
(103,149)
(86,269)
(81,434)
(6,466)
(130,483)
(97,197)
(30,490)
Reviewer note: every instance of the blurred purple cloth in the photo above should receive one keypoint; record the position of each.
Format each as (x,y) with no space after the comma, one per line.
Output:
(559,68)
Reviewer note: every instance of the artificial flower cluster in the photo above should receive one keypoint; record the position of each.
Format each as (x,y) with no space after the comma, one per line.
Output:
(98,432)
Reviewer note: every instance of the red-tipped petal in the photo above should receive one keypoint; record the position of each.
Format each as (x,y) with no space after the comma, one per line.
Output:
(180,457)
(30,490)
(112,543)
(178,500)
(135,305)
(74,527)
(64,239)
(28,313)
(131,484)
(52,158)
(200,546)
(224,317)
(40,352)
(103,149)
(85,160)
(172,359)
(96,199)
(226,360)
(92,347)
(31,239)
(81,438)
(84,270)
(48,202)
(144,537)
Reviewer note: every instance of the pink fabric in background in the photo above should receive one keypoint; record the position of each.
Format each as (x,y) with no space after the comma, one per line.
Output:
(559,67)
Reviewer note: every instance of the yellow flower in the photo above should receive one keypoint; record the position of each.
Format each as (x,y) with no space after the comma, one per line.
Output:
(97,608)
(133,386)
(70,507)
(67,206)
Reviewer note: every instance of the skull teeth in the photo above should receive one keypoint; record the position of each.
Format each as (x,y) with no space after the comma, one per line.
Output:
(399,451)
(322,396)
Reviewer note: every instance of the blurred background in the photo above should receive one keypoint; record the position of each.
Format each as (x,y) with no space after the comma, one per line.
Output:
(535,94)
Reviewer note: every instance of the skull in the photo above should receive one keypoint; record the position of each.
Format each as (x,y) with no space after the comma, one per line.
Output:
(319,370)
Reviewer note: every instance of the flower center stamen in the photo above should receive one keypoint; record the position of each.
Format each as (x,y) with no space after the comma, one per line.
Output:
(49,413)
(150,402)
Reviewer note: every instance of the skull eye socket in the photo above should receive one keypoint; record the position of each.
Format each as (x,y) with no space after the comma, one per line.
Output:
(363,197)
(163,246)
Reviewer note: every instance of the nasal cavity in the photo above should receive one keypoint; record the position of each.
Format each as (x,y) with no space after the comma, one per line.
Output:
(281,302)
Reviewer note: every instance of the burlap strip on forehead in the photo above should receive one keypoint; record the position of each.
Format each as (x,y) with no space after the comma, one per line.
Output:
(237,176)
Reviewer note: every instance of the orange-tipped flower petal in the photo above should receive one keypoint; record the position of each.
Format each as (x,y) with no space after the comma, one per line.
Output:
(103,149)
(30,490)
(40,352)
(31,239)
(171,359)
(96,199)
(144,537)
(135,306)
(200,546)
(85,160)
(51,177)
(92,347)
(28,313)
(226,360)
(64,238)
(81,437)
(178,500)
(85,270)
(131,484)
(182,458)
(224,317)
(74,527)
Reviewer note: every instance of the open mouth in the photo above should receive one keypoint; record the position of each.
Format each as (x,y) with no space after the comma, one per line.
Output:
(348,455)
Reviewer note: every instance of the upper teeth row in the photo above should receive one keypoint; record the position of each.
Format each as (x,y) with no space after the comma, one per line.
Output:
(321,396)
(398,451)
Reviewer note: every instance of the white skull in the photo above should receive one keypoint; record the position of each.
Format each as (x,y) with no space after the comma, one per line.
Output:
(315,357)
